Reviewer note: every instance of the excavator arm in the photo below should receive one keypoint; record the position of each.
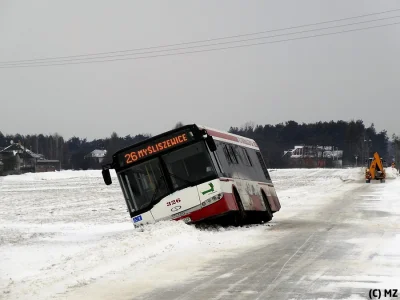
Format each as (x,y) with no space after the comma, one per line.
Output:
(378,163)
(372,168)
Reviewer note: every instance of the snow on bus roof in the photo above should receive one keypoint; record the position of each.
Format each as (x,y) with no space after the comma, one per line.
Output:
(230,137)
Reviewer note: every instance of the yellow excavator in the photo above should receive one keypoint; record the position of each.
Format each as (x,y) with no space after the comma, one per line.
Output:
(375,169)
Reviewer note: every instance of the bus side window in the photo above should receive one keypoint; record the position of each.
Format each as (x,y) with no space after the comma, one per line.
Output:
(247,159)
(238,155)
(228,154)
(232,153)
(263,166)
(223,158)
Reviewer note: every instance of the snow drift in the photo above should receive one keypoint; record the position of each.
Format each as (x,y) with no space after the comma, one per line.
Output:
(391,173)
(66,232)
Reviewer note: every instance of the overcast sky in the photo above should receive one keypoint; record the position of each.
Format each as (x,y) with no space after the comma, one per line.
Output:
(338,77)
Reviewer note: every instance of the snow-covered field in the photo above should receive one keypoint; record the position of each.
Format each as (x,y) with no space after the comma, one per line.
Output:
(67,235)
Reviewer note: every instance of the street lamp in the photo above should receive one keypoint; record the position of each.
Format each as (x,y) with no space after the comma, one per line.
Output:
(368,141)
(356,156)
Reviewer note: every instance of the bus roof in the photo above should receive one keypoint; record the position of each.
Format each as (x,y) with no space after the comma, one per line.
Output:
(229,137)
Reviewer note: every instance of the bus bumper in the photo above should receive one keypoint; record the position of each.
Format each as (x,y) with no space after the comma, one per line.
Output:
(221,207)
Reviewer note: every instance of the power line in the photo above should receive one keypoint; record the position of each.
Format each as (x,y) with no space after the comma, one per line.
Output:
(200,51)
(196,46)
(199,41)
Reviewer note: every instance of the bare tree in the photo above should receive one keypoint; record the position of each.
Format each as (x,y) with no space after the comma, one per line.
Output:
(114,144)
(178,125)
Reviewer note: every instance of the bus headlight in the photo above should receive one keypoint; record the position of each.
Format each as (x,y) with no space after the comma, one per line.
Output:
(212,199)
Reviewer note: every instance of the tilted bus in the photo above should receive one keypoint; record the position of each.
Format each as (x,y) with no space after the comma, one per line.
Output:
(195,173)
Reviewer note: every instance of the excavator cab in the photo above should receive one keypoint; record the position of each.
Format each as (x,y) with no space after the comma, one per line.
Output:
(375,169)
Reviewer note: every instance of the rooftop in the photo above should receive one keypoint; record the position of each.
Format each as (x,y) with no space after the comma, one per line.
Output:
(17,148)
(97,153)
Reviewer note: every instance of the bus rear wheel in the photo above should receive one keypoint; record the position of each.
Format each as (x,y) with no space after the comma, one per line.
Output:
(267,214)
(239,217)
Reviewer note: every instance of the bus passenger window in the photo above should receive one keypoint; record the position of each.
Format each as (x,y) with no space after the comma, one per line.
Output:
(233,155)
(247,158)
(228,155)
(263,166)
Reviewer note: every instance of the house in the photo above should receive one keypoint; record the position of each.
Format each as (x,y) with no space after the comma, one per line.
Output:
(314,156)
(97,156)
(18,159)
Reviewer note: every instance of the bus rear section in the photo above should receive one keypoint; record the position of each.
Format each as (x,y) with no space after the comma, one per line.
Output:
(179,175)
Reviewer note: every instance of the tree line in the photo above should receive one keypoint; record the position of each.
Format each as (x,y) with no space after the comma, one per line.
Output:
(71,153)
(353,137)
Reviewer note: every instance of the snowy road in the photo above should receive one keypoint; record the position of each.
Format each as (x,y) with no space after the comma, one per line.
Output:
(67,236)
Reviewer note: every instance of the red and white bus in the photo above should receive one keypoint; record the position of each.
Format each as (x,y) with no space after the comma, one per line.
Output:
(195,173)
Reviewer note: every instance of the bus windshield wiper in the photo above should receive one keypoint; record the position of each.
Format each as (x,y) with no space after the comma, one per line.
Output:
(180,178)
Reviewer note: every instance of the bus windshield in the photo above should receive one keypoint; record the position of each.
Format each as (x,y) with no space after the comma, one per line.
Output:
(189,165)
(146,182)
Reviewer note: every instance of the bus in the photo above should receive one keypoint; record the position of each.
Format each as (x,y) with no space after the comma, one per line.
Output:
(195,174)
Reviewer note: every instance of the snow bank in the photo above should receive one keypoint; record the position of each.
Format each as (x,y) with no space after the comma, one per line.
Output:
(310,189)
(317,176)
(64,174)
(53,260)
(61,231)
(391,173)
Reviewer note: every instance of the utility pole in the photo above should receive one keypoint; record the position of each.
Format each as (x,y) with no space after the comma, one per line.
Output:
(362,151)
(395,152)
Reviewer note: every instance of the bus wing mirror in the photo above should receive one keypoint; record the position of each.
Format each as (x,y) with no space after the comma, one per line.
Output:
(211,143)
(107,177)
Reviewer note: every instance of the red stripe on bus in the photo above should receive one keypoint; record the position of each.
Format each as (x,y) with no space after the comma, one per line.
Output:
(222,135)
(226,204)
(230,201)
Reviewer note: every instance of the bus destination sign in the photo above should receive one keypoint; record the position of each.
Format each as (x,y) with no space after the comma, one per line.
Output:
(160,145)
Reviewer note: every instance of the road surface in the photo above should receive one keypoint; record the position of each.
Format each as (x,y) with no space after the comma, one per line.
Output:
(335,252)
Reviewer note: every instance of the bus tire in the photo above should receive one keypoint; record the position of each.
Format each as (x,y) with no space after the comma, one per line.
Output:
(267,214)
(239,216)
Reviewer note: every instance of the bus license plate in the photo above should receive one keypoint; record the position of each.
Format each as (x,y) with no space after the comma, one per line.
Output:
(137,219)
